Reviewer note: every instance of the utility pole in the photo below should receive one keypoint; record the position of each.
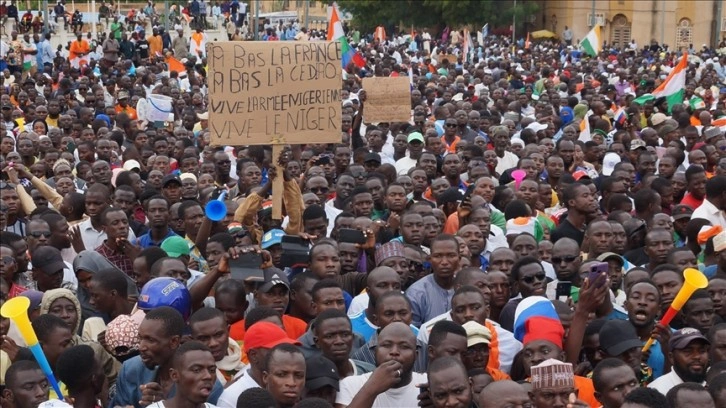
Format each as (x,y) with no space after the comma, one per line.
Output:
(662,23)
(166,15)
(514,23)
(257,20)
(307,12)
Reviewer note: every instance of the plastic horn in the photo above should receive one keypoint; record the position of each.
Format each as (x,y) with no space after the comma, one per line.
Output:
(693,279)
(518,176)
(16,309)
(215,209)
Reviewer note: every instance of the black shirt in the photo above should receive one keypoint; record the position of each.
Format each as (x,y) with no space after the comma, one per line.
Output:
(567,230)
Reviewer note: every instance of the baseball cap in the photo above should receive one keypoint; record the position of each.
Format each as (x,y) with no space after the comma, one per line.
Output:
(123,95)
(272,278)
(187,176)
(203,116)
(604,257)
(657,119)
(618,336)
(415,136)
(272,237)
(608,163)
(319,372)
(681,211)
(536,126)
(265,335)
(175,246)
(580,174)
(680,339)
(130,165)
(375,157)
(476,333)
(36,297)
(637,144)
(667,128)
(48,259)
(170,178)
(719,242)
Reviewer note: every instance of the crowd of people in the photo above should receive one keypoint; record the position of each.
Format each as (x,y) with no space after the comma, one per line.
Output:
(514,244)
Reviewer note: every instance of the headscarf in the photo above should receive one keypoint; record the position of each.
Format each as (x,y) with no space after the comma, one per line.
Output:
(52,295)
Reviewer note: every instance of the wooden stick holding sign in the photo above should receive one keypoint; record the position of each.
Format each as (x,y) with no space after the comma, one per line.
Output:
(277,183)
(274,93)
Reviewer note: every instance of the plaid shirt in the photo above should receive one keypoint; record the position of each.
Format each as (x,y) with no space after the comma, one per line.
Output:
(119,259)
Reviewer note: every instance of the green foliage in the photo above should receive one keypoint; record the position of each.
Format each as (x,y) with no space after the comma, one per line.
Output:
(367,14)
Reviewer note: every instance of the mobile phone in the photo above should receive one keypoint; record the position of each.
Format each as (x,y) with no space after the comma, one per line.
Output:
(596,270)
(353,236)
(247,266)
(563,290)
(469,192)
(323,159)
(295,251)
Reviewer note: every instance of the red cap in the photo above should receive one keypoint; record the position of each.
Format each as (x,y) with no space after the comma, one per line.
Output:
(266,335)
(580,174)
(541,328)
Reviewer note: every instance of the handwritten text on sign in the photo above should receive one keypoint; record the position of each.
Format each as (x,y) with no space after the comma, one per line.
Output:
(259,91)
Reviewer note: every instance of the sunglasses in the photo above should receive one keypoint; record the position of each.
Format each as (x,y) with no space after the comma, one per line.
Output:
(319,190)
(451,125)
(567,259)
(38,234)
(6,186)
(359,175)
(416,266)
(722,148)
(7,260)
(538,277)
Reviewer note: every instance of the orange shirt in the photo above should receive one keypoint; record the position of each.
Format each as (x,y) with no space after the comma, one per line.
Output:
(78,48)
(451,148)
(155,45)
(128,110)
(294,328)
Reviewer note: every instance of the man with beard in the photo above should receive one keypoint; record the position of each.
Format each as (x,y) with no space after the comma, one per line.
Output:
(116,247)
(222,166)
(689,353)
(140,379)
(581,204)
(393,382)
(566,260)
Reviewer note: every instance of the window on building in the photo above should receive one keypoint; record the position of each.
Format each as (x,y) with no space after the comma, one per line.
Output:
(684,33)
(620,30)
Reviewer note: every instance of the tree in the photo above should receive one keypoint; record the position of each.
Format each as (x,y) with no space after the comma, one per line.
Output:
(368,14)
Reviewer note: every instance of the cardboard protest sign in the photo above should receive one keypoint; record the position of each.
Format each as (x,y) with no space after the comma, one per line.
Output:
(388,99)
(274,92)
(450,57)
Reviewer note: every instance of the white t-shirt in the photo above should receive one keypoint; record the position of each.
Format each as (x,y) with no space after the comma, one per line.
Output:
(393,398)
(160,404)
(229,396)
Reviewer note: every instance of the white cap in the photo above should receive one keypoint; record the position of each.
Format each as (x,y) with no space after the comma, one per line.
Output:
(131,164)
(609,162)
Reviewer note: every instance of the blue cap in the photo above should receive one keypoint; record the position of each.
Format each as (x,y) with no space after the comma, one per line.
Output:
(272,237)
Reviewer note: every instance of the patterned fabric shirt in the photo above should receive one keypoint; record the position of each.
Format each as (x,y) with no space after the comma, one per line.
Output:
(196,255)
(119,259)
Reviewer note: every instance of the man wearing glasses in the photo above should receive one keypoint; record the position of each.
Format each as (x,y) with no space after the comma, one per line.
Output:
(529,280)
